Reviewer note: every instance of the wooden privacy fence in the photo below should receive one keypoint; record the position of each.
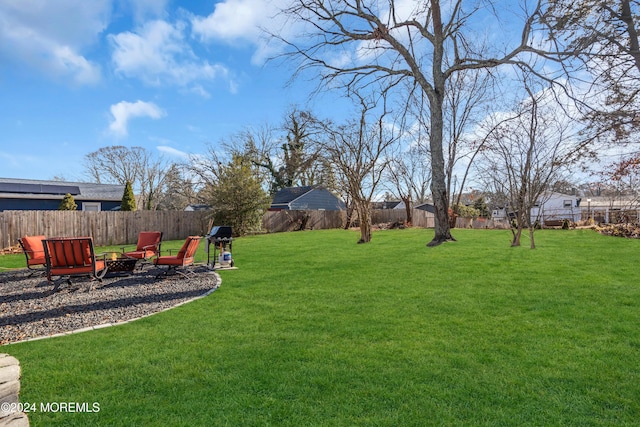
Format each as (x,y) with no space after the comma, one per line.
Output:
(279,221)
(120,228)
(106,228)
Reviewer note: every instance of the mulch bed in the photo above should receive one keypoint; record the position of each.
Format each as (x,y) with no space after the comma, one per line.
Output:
(29,308)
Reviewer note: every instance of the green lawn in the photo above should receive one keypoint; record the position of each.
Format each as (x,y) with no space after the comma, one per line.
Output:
(315,330)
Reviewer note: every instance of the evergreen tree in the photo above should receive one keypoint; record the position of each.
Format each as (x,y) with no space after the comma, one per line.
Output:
(481,206)
(128,199)
(68,203)
(237,196)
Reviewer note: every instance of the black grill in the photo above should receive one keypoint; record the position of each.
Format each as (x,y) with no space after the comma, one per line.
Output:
(220,233)
(221,238)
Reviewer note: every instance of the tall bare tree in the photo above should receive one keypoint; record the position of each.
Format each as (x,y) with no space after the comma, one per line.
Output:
(358,151)
(118,164)
(114,164)
(383,42)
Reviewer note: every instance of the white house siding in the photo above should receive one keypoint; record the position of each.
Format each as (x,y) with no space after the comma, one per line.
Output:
(557,207)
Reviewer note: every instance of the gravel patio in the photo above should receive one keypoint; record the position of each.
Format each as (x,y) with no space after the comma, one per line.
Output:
(30,309)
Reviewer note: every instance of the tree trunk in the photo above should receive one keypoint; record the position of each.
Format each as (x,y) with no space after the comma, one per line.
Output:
(350,210)
(532,229)
(365,222)
(436,101)
(408,210)
(438,181)
(516,236)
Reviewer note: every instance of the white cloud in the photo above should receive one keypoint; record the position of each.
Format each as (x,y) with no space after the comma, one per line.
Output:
(172,151)
(158,54)
(123,111)
(50,36)
(233,21)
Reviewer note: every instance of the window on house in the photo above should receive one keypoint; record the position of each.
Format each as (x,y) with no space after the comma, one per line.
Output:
(567,203)
(91,206)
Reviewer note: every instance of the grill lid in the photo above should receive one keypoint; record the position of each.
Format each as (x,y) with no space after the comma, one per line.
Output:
(220,232)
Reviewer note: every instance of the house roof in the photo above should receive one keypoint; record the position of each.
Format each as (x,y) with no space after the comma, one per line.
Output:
(289,194)
(15,188)
(307,197)
(387,204)
(426,207)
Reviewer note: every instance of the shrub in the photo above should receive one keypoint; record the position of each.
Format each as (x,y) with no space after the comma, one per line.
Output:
(68,203)
(128,199)
(466,211)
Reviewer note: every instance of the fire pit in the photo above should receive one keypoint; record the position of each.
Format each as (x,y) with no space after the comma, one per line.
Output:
(118,264)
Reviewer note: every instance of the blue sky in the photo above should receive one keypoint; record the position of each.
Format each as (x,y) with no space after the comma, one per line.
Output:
(170,76)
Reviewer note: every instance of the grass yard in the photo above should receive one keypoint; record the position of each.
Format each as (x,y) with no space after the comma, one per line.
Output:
(315,330)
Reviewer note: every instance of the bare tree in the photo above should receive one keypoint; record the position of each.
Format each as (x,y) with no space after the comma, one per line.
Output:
(114,164)
(466,101)
(178,190)
(358,150)
(427,46)
(602,38)
(288,159)
(408,175)
(118,164)
(526,155)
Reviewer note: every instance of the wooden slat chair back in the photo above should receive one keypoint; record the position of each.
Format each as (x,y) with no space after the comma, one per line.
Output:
(148,246)
(33,249)
(72,256)
(184,257)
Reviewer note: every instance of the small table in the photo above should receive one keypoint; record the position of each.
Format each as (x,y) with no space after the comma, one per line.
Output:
(116,263)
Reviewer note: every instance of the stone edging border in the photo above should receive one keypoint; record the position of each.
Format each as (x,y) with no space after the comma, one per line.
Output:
(107,325)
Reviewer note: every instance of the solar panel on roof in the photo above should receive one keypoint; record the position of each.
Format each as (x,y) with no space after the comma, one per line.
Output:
(21,188)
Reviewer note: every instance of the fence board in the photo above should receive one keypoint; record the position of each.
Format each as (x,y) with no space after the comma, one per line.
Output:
(106,228)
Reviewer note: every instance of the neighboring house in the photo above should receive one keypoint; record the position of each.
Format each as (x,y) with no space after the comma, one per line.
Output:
(388,204)
(306,198)
(427,207)
(192,208)
(614,209)
(552,207)
(37,195)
